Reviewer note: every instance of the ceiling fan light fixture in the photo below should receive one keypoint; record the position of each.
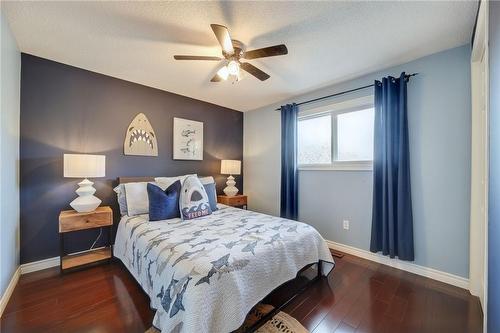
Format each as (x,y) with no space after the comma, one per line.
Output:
(233,68)
(232,51)
(223,73)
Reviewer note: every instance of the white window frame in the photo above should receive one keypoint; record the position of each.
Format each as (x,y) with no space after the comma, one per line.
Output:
(334,109)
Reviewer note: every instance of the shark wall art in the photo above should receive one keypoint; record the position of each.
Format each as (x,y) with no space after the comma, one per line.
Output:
(188,139)
(140,138)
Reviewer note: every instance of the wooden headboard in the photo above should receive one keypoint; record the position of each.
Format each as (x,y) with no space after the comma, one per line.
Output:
(123,180)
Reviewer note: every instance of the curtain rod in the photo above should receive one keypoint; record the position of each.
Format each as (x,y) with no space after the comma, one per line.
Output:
(407,76)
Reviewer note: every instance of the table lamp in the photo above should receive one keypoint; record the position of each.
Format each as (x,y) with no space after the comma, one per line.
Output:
(84,166)
(230,167)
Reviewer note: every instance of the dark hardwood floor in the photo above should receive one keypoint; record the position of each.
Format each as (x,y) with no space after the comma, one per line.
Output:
(359,296)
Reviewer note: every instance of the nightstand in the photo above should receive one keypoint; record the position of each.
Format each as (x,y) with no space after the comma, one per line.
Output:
(72,221)
(235,201)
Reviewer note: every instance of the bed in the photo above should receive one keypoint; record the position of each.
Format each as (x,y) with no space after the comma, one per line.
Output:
(205,275)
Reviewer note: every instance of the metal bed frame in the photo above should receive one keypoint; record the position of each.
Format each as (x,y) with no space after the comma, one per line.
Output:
(277,309)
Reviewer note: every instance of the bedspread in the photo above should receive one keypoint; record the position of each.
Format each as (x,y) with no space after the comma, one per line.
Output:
(204,275)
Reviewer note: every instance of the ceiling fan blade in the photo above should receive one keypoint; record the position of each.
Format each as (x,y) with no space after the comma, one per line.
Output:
(223,37)
(270,51)
(188,57)
(254,71)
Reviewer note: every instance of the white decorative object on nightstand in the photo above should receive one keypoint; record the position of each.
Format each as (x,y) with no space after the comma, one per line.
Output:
(230,167)
(83,166)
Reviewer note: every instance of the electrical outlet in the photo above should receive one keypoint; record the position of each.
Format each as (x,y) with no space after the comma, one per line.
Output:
(345,224)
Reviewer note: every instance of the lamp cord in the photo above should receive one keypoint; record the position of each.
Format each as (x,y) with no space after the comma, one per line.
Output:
(98,236)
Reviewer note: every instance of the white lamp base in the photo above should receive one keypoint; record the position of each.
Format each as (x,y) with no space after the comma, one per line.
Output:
(86,201)
(230,190)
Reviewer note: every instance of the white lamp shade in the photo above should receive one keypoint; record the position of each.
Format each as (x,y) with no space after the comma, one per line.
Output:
(230,167)
(84,166)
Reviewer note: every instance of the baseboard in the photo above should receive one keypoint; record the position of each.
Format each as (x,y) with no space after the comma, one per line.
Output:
(39,265)
(8,291)
(47,263)
(431,273)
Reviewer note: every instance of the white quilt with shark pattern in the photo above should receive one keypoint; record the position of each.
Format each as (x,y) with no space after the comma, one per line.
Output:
(204,275)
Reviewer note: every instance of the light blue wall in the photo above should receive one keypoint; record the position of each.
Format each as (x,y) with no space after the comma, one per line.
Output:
(328,197)
(10,69)
(439,111)
(494,178)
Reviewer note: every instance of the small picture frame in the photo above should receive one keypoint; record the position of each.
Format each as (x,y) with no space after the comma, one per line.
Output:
(188,140)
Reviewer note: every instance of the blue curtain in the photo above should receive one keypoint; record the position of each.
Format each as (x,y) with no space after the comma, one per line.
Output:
(289,182)
(392,218)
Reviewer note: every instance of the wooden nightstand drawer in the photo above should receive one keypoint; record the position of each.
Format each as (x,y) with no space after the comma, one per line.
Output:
(69,220)
(239,201)
(236,201)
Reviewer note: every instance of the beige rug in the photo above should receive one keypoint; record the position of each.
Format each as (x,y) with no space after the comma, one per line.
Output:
(280,323)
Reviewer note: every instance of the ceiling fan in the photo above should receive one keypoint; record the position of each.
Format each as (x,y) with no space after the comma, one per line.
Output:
(233,51)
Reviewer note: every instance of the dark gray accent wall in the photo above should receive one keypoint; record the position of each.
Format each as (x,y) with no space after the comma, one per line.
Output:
(494,177)
(65,109)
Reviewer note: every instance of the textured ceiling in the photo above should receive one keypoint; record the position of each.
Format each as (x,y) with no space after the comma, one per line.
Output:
(327,41)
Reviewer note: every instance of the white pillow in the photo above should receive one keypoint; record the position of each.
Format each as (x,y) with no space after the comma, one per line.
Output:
(121,198)
(137,198)
(207,180)
(164,182)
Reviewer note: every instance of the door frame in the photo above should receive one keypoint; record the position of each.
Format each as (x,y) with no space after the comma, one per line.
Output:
(478,269)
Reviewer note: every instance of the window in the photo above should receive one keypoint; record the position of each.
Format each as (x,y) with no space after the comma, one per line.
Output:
(355,135)
(315,140)
(337,136)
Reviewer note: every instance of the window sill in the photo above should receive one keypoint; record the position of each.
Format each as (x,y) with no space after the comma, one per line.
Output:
(339,166)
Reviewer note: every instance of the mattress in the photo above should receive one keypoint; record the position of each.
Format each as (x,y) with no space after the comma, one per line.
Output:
(205,274)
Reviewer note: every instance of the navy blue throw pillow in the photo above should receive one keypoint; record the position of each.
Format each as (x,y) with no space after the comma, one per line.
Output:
(164,205)
(212,195)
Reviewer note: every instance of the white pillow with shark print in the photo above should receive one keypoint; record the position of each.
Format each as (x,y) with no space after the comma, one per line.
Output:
(193,201)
